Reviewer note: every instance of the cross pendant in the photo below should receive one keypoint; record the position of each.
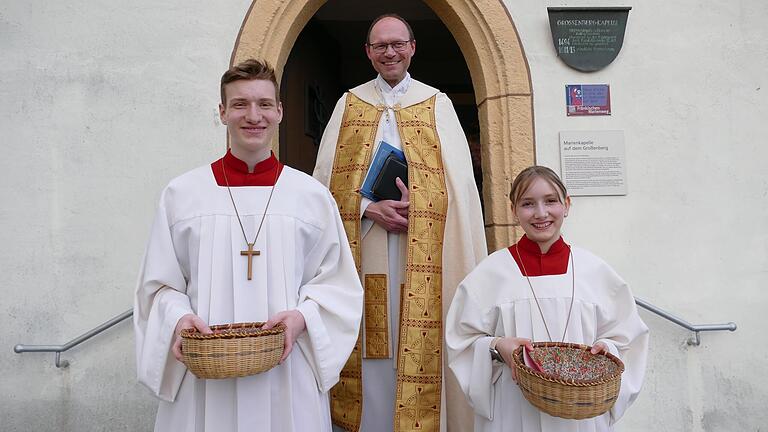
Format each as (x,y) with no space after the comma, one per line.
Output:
(250,254)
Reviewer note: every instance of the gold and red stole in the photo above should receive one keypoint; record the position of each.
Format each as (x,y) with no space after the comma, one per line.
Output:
(420,346)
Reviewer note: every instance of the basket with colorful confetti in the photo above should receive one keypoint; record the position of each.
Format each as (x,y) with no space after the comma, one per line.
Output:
(566,380)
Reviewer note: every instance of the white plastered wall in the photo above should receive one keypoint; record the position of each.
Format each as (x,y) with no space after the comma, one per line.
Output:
(689,91)
(103,102)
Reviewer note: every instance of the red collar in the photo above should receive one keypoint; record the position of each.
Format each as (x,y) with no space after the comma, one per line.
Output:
(535,263)
(531,247)
(265,173)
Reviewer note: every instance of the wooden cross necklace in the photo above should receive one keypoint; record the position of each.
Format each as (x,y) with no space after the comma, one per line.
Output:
(250,253)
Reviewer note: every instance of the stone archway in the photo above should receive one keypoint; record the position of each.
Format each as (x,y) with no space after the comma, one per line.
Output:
(494,54)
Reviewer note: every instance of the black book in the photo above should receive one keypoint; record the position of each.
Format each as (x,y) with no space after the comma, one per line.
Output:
(384,188)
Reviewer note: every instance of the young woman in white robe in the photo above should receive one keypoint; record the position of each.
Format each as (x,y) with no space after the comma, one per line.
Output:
(496,303)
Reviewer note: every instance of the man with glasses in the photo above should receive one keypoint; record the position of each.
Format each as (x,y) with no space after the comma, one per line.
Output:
(411,252)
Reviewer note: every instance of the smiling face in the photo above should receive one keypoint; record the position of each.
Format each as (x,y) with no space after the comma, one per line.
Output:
(540,211)
(391,64)
(251,113)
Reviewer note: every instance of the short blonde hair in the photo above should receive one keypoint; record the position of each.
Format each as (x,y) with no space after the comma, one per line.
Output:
(251,69)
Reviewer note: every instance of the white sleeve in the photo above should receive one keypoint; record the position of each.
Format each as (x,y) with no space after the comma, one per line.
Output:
(327,151)
(465,227)
(467,339)
(626,335)
(159,303)
(331,300)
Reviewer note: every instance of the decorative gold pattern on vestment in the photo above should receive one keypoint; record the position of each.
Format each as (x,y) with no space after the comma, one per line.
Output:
(419,353)
(376,317)
(350,164)
(420,345)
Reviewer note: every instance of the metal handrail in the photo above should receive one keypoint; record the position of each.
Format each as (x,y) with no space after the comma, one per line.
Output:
(58,349)
(694,340)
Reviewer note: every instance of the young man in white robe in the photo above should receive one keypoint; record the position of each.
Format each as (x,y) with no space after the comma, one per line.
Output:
(542,290)
(200,268)
(413,251)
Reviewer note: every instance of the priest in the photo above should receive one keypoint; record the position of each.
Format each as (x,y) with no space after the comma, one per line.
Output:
(412,252)
(247,239)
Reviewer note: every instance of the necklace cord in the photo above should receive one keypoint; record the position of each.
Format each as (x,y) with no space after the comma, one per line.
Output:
(383,101)
(258,230)
(573,291)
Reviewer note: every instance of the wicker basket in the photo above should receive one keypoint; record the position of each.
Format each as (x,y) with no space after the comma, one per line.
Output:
(233,350)
(570,397)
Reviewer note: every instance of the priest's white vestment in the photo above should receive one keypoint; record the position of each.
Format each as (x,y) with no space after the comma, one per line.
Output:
(382,252)
(193,265)
(495,300)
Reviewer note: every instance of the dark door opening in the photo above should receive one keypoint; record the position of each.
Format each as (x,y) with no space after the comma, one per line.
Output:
(328,59)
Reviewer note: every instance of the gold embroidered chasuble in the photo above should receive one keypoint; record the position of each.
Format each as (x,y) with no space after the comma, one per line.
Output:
(419,350)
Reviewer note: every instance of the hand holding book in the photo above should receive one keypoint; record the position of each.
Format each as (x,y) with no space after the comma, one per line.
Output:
(387,164)
(390,214)
(385,187)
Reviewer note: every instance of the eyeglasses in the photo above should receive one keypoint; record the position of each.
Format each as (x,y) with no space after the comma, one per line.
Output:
(398,46)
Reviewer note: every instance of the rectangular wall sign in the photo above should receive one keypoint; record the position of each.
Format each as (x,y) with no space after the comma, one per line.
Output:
(587,99)
(593,162)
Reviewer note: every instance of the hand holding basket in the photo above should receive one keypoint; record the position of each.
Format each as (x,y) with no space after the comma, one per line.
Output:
(574,383)
(232,350)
